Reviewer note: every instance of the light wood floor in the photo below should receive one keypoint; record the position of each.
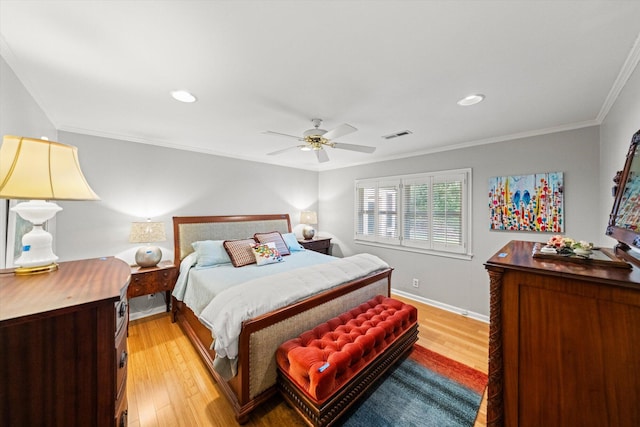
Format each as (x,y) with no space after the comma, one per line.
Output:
(168,385)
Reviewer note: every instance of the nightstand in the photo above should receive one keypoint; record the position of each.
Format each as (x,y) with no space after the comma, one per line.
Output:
(151,280)
(320,244)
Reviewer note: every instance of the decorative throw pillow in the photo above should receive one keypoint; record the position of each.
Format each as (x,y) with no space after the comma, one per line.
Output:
(210,253)
(292,242)
(240,251)
(266,253)
(274,237)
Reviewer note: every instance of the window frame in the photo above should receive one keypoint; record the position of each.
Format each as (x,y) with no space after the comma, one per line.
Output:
(424,243)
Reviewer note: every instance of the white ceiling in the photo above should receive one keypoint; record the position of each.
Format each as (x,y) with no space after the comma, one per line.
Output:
(106,68)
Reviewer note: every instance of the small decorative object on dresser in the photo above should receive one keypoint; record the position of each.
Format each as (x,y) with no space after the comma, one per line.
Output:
(64,345)
(151,280)
(320,244)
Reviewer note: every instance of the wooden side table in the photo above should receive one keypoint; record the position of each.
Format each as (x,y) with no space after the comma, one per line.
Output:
(320,244)
(151,280)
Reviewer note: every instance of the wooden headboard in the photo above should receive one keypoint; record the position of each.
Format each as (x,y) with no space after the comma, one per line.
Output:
(189,229)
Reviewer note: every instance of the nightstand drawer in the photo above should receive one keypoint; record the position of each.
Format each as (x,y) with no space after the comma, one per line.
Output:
(319,245)
(151,282)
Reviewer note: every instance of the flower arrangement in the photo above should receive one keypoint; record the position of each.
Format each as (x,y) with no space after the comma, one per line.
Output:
(567,245)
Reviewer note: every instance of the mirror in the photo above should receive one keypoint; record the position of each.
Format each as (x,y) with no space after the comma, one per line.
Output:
(624,221)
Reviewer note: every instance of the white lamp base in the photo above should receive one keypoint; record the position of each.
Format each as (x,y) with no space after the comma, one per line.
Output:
(37,252)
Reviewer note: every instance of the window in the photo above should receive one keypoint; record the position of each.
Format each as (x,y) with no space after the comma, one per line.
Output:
(426,212)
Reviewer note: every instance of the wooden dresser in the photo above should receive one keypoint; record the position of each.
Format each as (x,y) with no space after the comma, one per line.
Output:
(63,345)
(564,345)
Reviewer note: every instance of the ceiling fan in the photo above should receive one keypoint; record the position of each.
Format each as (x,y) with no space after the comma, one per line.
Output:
(316,139)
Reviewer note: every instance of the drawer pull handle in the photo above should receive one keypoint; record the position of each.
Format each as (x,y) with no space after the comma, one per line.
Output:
(123,358)
(123,419)
(123,309)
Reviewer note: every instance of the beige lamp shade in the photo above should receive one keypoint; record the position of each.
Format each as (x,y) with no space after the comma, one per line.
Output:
(308,217)
(35,169)
(147,232)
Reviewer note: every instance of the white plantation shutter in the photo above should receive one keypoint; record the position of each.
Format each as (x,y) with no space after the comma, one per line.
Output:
(365,211)
(416,227)
(387,220)
(448,212)
(377,211)
(428,211)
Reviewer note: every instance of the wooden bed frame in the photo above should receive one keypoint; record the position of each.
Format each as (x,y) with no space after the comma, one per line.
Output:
(261,336)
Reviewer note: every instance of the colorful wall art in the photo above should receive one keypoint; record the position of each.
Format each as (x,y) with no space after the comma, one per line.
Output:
(527,202)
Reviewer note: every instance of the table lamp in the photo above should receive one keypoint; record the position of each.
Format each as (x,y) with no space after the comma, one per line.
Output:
(147,232)
(308,218)
(38,170)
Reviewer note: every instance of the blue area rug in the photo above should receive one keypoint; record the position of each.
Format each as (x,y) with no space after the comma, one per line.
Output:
(424,389)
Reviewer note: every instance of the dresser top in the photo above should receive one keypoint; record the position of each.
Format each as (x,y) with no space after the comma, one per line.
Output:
(74,284)
(518,255)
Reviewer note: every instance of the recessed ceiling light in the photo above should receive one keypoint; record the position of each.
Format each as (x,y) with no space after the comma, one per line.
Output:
(471,100)
(183,96)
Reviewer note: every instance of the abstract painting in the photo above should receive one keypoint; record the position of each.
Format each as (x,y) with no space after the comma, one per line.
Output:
(527,202)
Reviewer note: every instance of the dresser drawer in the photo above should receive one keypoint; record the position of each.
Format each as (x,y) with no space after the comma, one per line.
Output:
(122,315)
(121,362)
(122,412)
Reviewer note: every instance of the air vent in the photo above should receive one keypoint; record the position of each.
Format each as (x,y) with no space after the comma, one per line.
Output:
(397,134)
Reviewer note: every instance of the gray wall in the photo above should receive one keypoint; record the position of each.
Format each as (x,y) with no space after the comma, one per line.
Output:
(20,114)
(616,131)
(137,181)
(463,283)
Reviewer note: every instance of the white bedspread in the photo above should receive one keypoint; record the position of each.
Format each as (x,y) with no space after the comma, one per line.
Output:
(197,287)
(225,313)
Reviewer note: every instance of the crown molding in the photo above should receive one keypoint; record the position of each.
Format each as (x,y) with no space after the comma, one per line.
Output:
(627,69)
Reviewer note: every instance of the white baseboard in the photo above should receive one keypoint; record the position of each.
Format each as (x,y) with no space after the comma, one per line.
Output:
(438,304)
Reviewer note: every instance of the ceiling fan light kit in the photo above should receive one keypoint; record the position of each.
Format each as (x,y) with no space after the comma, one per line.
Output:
(316,139)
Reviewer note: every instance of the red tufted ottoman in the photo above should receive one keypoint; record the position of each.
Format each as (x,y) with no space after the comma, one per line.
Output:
(323,371)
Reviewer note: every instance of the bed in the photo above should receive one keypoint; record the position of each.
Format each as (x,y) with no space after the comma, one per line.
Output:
(255,371)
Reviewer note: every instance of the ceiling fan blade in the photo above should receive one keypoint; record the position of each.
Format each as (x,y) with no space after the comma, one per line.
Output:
(354,147)
(322,156)
(283,134)
(342,130)
(296,147)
